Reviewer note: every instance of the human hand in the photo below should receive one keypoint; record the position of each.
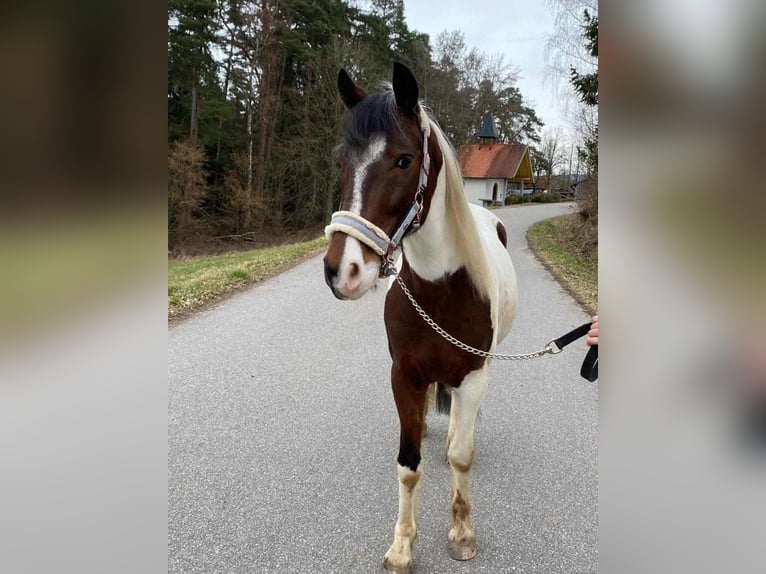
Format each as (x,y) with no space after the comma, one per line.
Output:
(593,333)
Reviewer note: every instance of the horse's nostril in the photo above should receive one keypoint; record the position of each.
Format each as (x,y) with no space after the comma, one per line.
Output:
(353,271)
(329,274)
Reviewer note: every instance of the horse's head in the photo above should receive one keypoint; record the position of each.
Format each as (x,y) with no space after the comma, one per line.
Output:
(380,158)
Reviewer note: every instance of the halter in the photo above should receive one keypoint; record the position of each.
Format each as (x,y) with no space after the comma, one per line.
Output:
(373,236)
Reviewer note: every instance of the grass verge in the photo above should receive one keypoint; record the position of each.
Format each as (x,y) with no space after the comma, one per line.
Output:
(193,283)
(577,273)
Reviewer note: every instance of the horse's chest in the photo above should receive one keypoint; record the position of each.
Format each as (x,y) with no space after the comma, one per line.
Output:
(453,304)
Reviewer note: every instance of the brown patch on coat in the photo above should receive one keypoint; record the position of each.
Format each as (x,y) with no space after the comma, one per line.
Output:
(410,396)
(421,356)
(389,192)
(502,234)
(453,303)
(411,481)
(461,508)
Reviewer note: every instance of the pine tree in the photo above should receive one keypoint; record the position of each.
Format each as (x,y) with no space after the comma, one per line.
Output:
(586,85)
(253,103)
(191,67)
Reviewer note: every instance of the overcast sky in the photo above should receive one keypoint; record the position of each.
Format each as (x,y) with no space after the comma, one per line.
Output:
(517,29)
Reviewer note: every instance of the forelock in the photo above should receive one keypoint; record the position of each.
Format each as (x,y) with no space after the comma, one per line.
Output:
(376,114)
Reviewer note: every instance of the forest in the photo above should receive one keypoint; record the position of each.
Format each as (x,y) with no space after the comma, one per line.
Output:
(253,110)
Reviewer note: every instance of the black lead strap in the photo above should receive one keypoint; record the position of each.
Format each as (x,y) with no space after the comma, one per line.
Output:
(589,368)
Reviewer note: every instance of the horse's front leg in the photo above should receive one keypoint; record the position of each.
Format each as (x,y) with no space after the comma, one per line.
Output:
(465,405)
(410,397)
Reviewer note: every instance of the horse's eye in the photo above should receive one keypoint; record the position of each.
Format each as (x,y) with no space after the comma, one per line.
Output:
(403,161)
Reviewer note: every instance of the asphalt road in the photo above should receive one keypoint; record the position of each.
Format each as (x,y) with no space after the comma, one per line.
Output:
(283,435)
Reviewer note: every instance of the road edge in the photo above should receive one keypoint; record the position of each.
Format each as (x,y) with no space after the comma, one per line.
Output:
(584,305)
(183,316)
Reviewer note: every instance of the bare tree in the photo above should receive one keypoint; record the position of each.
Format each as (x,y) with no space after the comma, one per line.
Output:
(186,187)
(564,48)
(553,151)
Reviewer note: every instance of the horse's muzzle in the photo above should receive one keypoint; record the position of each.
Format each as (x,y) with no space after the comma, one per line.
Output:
(330,275)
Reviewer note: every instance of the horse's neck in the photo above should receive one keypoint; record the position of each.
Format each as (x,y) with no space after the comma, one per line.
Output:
(449,238)
(432,251)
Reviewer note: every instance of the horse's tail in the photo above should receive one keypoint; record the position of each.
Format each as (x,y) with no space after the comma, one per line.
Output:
(443,399)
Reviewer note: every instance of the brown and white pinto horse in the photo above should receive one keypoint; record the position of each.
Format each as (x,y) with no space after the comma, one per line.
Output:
(455,264)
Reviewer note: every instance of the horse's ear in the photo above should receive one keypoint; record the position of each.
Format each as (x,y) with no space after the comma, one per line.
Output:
(350,93)
(405,88)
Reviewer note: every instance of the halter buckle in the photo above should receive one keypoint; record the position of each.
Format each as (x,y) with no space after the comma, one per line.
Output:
(419,202)
(387,268)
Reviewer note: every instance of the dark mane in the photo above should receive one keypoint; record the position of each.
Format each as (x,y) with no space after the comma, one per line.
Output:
(375,114)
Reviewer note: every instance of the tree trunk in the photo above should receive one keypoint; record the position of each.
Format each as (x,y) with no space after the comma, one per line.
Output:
(194,129)
(267,96)
(249,200)
(225,98)
(266,125)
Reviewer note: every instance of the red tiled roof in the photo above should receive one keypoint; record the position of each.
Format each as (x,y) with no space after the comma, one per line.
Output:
(495,160)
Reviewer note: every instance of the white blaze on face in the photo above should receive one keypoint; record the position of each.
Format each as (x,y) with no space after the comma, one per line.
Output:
(360,167)
(355,277)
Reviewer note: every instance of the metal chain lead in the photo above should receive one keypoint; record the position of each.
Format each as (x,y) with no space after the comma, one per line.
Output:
(549,349)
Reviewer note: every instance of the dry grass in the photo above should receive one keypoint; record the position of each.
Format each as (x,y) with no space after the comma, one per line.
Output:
(559,245)
(193,283)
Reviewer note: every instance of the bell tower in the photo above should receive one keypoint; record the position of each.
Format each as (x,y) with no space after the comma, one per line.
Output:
(488,132)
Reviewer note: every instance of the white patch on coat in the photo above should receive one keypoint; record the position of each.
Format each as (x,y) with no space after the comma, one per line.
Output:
(504,289)
(399,555)
(466,400)
(370,155)
(465,405)
(427,250)
(458,234)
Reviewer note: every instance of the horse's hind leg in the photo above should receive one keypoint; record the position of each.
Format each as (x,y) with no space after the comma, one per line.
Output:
(465,405)
(410,397)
